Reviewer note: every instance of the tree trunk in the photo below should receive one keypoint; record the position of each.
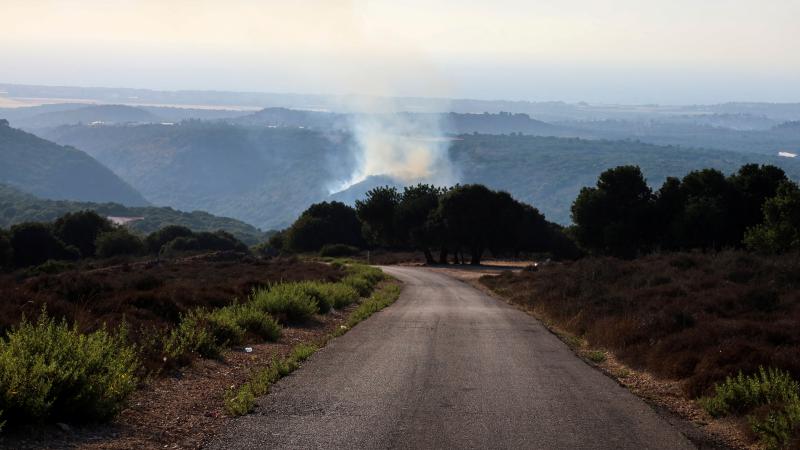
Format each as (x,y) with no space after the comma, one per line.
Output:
(476,256)
(428,256)
(443,256)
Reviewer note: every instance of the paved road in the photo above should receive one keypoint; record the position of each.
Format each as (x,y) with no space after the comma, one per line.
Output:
(449,367)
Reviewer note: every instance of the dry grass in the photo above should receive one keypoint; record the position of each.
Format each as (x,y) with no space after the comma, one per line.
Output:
(695,318)
(149,298)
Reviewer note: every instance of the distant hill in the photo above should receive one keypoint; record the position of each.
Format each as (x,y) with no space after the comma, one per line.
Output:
(263,176)
(106,114)
(49,170)
(359,190)
(549,172)
(17,207)
(267,176)
(501,123)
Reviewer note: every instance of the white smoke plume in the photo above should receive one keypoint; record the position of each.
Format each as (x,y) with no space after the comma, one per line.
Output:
(406,147)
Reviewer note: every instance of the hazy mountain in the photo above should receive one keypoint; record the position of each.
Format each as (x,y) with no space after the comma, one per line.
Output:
(267,176)
(264,176)
(49,170)
(17,207)
(106,114)
(358,190)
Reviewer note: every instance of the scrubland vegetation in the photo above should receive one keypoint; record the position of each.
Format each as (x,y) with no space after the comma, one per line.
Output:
(81,333)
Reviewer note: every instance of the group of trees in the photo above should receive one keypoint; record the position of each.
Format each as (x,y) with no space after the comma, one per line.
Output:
(757,207)
(451,221)
(86,234)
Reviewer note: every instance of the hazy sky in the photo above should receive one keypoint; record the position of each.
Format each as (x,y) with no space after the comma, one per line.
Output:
(642,51)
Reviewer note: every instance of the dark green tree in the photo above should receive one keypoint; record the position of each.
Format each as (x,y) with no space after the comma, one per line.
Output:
(119,242)
(615,216)
(377,214)
(81,229)
(780,231)
(158,239)
(33,243)
(469,216)
(6,253)
(325,223)
(413,215)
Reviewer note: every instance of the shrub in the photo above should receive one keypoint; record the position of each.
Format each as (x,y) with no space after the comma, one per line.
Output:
(340,294)
(359,284)
(119,242)
(258,322)
(336,250)
(191,336)
(317,292)
(741,394)
(49,371)
(230,324)
(223,325)
(289,301)
(773,394)
(51,267)
(363,278)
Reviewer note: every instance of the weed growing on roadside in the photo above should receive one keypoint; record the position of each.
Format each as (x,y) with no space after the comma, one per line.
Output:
(241,401)
(771,398)
(596,356)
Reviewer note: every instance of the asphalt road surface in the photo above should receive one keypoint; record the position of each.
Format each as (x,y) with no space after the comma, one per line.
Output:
(447,366)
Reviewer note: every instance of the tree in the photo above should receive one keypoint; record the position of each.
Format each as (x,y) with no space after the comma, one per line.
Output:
(615,216)
(34,243)
(81,230)
(158,239)
(377,213)
(780,231)
(205,241)
(754,185)
(412,218)
(708,218)
(119,242)
(325,223)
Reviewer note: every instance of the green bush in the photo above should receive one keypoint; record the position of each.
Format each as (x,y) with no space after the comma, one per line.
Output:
(118,242)
(191,336)
(258,322)
(359,284)
(224,327)
(340,294)
(336,250)
(50,371)
(741,394)
(230,324)
(289,301)
(772,394)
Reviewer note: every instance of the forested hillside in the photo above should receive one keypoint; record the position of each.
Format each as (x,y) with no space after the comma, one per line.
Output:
(18,207)
(48,170)
(264,176)
(267,176)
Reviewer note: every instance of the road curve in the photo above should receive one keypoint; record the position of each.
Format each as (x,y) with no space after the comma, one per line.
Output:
(447,366)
